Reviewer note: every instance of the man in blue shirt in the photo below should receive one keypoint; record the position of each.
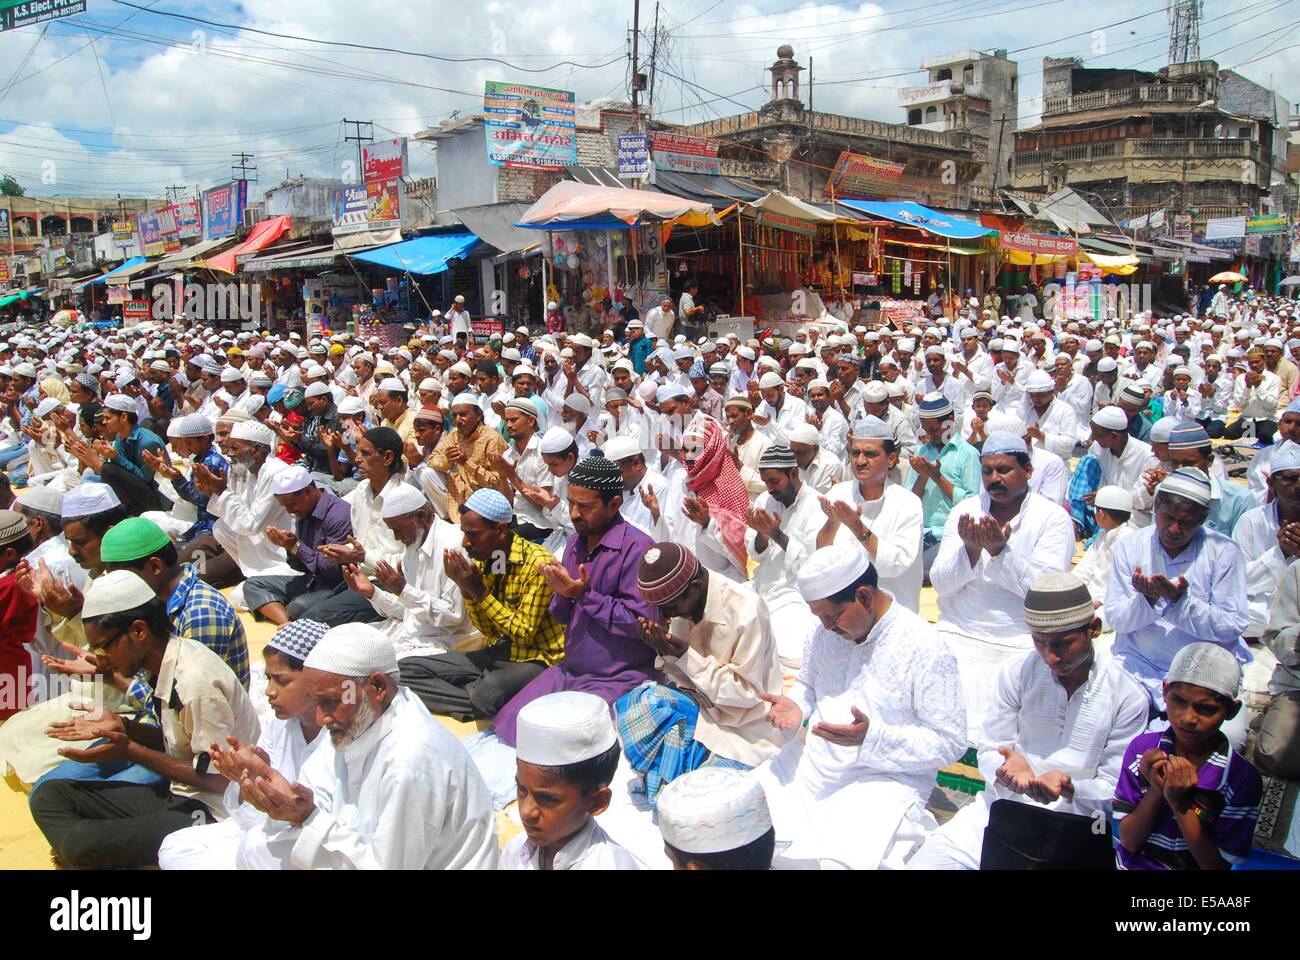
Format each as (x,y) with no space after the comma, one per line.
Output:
(943,472)
(639,346)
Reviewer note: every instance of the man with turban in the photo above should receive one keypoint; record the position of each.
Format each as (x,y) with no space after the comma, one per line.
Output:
(718,656)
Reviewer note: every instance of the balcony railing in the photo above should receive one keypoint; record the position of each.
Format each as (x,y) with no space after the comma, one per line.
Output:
(1142,93)
(1144,149)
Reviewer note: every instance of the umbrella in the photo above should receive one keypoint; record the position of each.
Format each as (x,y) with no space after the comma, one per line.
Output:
(1290,282)
(1228,276)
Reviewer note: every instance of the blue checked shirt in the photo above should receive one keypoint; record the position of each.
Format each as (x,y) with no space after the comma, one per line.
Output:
(198,611)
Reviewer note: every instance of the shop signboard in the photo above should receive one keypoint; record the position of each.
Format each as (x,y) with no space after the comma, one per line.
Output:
(24,13)
(151,237)
(1040,244)
(5,277)
(118,294)
(857,176)
(633,156)
(383,165)
(529,126)
(1273,223)
(767,218)
(189,219)
(167,225)
(350,209)
(134,311)
(223,209)
(488,327)
(1182,226)
(123,233)
(681,154)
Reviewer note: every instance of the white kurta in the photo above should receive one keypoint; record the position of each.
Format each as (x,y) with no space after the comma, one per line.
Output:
(1094,567)
(428,617)
(982,607)
(1126,470)
(47,684)
(244,510)
(898,521)
(1059,425)
(903,678)
(824,472)
(1084,735)
(1256,534)
(220,846)
(1051,476)
(792,413)
(588,849)
(776,576)
(403,796)
(368,527)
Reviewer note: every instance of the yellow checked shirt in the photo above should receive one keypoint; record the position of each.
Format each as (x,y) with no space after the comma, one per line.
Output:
(474,472)
(517,606)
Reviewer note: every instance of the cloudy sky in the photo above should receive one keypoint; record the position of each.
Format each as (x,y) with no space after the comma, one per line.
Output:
(132,97)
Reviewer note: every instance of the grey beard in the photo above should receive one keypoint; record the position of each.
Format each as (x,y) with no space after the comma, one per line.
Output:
(362,720)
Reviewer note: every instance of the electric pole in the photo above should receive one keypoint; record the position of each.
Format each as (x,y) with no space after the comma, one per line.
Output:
(636,76)
(243,166)
(654,59)
(359,138)
(173,192)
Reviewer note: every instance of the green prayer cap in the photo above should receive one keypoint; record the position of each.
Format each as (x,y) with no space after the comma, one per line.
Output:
(132,539)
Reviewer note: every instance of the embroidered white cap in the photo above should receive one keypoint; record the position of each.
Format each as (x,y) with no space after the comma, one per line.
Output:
(563,728)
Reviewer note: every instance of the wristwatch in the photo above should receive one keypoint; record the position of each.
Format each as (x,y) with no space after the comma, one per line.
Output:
(865,536)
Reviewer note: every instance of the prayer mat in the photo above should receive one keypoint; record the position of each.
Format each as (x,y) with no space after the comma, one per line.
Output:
(1277,812)
(962,776)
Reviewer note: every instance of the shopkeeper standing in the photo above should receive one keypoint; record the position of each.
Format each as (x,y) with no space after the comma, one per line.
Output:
(458,321)
(686,308)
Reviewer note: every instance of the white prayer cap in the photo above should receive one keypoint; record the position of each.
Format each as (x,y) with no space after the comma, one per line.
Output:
(1111,418)
(462,368)
(563,728)
(114,592)
(87,499)
(713,810)
(351,406)
(230,375)
(253,431)
(292,480)
(316,390)
(1106,365)
(871,428)
(1092,346)
(120,402)
(353,650)
(671,391)
(1285,457)
(620,448)
(576,401)
(1115,498)
(895,389)
(467,398)
(770,380)
(254,403)
(428,383)
(819,383)
(1204,664)
(1003,442)
(392,384)
(43,498)
(875,392)
(161,366)
(49,405)
(832,569)
(805,433)
(26,369)
(190,425)
(1163,428)
(401,500)
(1040,381)
(747,353)
(556,440)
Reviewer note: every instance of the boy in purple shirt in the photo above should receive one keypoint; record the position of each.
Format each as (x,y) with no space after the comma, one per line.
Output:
(1185,799)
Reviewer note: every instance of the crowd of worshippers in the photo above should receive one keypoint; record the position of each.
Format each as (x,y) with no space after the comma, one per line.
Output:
(684,577)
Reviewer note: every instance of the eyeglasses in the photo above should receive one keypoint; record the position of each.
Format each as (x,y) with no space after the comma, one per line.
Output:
(103,648)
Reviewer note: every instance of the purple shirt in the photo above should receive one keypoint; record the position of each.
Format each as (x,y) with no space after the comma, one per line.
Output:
(1227,787)
(330,522)
(603,650)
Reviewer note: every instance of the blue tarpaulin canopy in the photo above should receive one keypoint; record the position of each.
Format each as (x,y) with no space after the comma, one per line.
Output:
(423,256)
(133,262)
(915,215)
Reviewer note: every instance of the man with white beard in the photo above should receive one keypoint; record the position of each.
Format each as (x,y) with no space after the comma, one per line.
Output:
(391,789)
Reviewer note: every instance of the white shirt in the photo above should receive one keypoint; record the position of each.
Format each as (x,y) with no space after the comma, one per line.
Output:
(834,433)
(749,453)
(792,413)
(1084,735)
(1059,425)
(1126,470)
(1212,609)
(368,527)
(776,576)
(659,322)
(635,512)
(428,617)
(824,472)
(588,849)
(288,749)
(1094,567)
(1257,403)
(458,319)
(531,469)
(897,518)
(403,796)
(987,600)
(244,510)
(54,552)
(1051,476)
(1256,534)
(1078,397)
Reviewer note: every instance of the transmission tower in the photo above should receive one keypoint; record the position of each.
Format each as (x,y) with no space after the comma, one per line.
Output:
(1184,30)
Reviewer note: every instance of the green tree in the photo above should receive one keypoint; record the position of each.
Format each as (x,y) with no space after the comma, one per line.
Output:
(9,187)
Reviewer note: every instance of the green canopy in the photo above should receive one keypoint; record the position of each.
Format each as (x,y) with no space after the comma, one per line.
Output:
(13,298)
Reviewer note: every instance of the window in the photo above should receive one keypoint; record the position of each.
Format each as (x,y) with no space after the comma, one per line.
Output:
(944,74)
(913,117)
(931,114)
(1013,84)
(968,73)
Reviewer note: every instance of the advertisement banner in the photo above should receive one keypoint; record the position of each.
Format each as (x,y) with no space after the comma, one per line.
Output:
(633,156)
(123,233)
(857,176)
(223,209)
(1225,228)
(133,311)
(1273,223)
(23,13)
(1042,244)
(167,225)
(1183,226)
(487,328)
(350,209)
(681,154)
(118,294)
(151,237)
(529,126)
(5,277)
(781,222)
(189,219)
(383,165)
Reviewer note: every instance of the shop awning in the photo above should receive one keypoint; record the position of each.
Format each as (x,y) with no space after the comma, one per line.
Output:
(720,192)
(126,273)
(261,237)
(21,295)
(299,259)
(923,218)
(494,224)
(570,206)
(596,176)
(783,205)
(1104,246)
(366,240)
(423,256)
(1069,212)
(134,261)
(181,258)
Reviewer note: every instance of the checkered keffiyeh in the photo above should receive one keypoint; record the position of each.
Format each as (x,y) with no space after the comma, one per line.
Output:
(297,639)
